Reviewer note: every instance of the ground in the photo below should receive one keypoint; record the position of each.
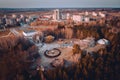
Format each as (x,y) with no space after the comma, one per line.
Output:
(66,52)
(45,61)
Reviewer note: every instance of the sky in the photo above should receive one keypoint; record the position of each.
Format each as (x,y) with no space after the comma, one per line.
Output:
(59,3)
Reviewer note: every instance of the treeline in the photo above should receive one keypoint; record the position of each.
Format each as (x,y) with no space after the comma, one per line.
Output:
(43,22)
(76,31)
(16,56)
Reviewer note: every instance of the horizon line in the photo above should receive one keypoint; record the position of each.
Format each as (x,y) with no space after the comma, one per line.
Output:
(63,7)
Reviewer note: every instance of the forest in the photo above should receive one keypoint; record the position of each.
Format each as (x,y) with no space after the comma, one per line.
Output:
(16,56)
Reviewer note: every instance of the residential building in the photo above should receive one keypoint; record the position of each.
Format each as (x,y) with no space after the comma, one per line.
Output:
(77,18)
(56,15)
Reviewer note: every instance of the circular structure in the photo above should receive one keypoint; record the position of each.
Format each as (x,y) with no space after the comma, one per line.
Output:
(52,53)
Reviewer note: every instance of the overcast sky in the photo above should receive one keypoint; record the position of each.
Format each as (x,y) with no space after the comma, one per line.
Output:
(59,3)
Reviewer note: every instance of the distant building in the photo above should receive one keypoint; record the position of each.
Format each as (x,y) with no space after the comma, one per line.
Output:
(14,16)
(29,33)
(4,16)
(13,21)
(103,41)
(86,13)
(47,16)
(3,21)
(85,43)
(77,18)
(7,21)
(63,16)
(94,14)
(27,20)
(86,19)
(68,16)
(56,14)
(21,16)
(101,14)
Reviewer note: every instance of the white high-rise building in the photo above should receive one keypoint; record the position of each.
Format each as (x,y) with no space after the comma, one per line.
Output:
(68,15)
(56,14)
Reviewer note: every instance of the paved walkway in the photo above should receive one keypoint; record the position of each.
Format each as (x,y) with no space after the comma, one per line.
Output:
(6,35)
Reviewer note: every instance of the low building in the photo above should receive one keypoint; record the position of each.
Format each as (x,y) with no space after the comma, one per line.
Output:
(14,15)
(68,16)
(103,41)
(29,33)
(86,13)
(86,19)
(101,14)
(48,16)
(77,18)
(94,14)
(63,16)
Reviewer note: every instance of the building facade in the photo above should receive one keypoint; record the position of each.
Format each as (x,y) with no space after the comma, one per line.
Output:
(77,18)
(56,15)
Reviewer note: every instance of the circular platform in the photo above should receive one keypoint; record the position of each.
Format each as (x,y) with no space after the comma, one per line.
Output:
(52,53)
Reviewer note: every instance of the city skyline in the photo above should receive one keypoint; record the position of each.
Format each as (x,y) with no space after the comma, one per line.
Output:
(59,4)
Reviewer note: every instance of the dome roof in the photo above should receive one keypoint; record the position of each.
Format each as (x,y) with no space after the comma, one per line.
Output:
(103,41)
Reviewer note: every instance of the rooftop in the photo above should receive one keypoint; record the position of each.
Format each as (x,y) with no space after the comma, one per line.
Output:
(29,31)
